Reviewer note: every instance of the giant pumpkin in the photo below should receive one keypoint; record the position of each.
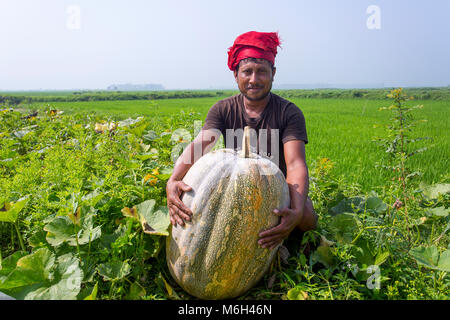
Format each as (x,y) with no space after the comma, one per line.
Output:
(216,255)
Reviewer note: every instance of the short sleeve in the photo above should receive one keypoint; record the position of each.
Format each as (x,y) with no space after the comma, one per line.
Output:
(295,126)
(214,118)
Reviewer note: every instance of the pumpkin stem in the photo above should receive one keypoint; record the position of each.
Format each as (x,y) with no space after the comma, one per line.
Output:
(246,143)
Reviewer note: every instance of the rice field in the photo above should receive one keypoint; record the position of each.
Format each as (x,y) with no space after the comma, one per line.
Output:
(339,129)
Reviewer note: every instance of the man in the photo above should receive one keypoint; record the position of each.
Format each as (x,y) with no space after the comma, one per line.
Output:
(251,58)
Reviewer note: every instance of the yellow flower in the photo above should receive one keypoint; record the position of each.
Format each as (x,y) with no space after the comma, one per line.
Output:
(152,180)
(155,171)
(148,176)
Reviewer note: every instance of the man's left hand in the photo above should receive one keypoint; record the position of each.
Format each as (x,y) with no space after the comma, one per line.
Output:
(290,218)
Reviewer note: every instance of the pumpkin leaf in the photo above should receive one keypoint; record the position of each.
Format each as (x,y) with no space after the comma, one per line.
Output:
(150,136)
(113,271)
(152,154)
(10,211)
(433,191)
(78,230)
(59,230)
(66,284)
(153,222)
(41,276)
(93,197)
(323,253)
(8,265)
(430,258)
(375,205)
(297,294)
(129,122)
(343,226)
(35,268)
(130,213)
(347,205)
(444,261)
(438,211)
(87,232)
(363,252)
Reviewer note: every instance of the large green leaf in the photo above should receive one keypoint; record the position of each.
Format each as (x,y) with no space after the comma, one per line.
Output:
(157,222)
(363,252)
(323,255)
(375,205)
(444,261)
(66,284)
(41,276)
(113,271)
(62,229)
(88,232)
(129,122)
(31,272)
(430,257)
(297,294)
(154,222)
(10,211)
(348,205)
(344,227)
(149,136)
(8,265)
(438,211)
(371,204)
(433,191)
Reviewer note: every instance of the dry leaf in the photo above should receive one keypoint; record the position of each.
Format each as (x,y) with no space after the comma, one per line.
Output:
(284,254)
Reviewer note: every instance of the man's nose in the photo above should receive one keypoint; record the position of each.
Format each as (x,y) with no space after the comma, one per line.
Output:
(253,77)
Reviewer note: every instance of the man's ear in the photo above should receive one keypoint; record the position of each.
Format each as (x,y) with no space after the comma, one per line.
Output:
(235,74)
(273,72)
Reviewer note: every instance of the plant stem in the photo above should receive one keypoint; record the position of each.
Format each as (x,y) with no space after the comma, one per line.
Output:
(246,143)
(16,225)
(78,245)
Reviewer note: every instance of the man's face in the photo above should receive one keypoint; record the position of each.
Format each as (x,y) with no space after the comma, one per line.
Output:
(255,79)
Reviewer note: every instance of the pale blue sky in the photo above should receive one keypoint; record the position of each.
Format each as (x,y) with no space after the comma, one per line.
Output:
(183,44)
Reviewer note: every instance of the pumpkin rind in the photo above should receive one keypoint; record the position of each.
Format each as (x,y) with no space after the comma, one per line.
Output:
(216,255)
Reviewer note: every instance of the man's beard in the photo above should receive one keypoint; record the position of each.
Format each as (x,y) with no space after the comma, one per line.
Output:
(259,98)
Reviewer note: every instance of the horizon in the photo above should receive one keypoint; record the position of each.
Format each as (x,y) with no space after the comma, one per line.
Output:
(60,45)
(214,89)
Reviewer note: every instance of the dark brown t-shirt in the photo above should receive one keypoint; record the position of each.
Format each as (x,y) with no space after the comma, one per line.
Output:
(279,114)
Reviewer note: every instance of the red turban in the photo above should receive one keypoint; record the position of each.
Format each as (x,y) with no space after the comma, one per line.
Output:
(260,45)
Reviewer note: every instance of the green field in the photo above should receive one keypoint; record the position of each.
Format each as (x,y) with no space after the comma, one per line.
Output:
(339,129)
(68,229)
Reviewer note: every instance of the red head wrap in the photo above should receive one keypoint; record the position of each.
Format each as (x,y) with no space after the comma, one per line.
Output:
(260,45)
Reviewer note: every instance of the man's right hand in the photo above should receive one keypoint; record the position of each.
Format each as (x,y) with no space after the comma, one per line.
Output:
(178,211)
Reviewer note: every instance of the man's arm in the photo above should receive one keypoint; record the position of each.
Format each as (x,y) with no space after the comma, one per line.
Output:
(204,142)
(298,181)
